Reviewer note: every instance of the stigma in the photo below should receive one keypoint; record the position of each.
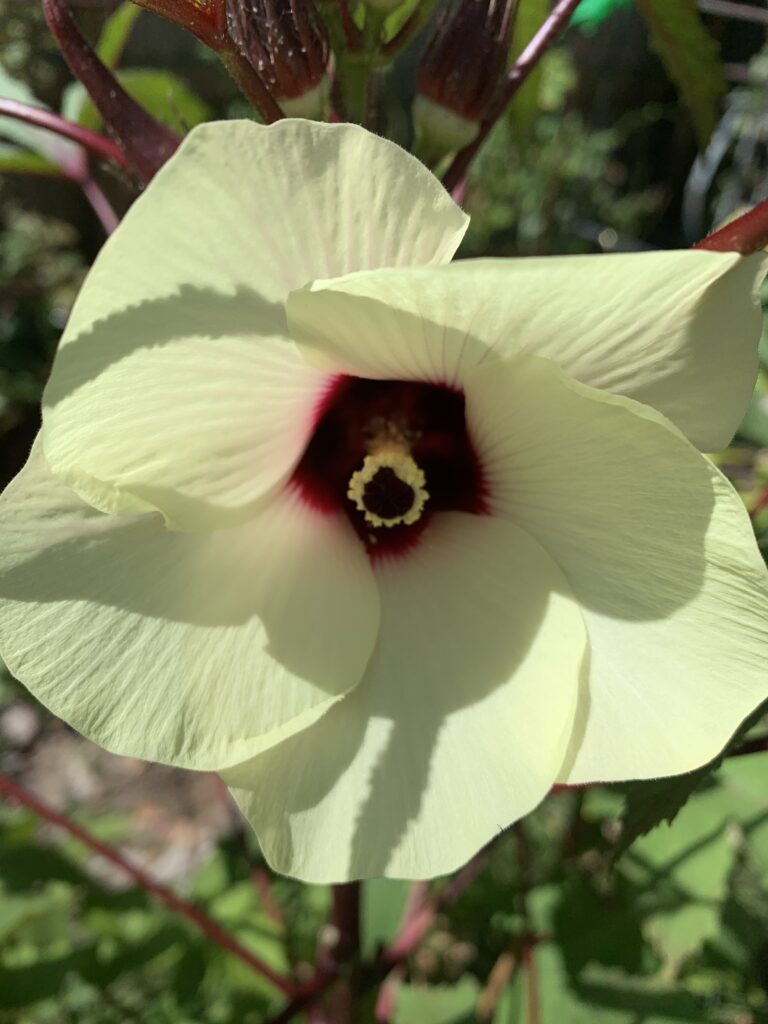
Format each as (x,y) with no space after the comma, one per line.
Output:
(389,488)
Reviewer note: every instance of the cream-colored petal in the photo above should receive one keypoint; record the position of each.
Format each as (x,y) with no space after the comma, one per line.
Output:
(658,550)
(175,387)
(675,330)
(189,649)
(192,405)
(459,727)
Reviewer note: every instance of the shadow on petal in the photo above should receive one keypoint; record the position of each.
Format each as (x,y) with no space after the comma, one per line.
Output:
(458,727)
(188,313)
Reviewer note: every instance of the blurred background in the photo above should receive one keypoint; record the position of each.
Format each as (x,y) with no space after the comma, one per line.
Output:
(599,153)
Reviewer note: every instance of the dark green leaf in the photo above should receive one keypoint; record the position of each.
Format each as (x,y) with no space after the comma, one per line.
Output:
(161,93)
(116,32)
(530,16)
(647,804)
(691,59)
(437,1004)
(46,144)
(383,903)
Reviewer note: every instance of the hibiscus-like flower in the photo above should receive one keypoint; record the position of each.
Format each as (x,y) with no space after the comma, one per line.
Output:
(393,544)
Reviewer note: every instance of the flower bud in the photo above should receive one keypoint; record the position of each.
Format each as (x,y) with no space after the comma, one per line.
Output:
(460,73)
(286,43)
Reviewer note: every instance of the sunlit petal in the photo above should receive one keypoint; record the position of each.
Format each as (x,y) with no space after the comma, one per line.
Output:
(658,550)
(675,330)
(190,649)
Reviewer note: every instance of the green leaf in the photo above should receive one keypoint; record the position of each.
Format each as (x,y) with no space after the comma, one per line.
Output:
(437,1004)
(395,21)
(161,93)
(594,927)
(683,869)
(590,14)
(17,160)
(531,15)
(691,58)
(754,426)
(382,908)
(116,32)
(647,804)
(62,153)
(600,995)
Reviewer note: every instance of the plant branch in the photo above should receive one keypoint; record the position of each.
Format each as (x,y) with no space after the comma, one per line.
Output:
(12,791)
(524,65)
(97,144)
(305,997)
(145,142)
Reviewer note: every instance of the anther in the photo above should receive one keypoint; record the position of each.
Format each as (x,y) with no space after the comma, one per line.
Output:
(389,488)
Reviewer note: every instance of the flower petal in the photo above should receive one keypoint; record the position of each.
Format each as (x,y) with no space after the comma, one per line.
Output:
(175,387)
(657,548)
(675,330)
(189,649)
(459,727)
(181,406)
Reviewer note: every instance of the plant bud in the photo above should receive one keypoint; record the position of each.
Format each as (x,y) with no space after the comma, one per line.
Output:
(286,43)
(459,74)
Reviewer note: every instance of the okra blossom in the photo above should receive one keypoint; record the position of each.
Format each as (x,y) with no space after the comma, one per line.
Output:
(392,543)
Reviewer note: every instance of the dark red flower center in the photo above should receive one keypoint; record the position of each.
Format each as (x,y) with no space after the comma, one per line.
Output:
(426,423)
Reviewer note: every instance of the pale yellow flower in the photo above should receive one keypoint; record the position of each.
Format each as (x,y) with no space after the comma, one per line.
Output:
(393,544)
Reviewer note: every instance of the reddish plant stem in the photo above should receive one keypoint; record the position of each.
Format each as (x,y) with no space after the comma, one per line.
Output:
(345,952)
(386,1001)
(524,65)
(352,35)
(100,205)
(146,143)
(746,234)
(206,21)
(13,791)
(345,917)
(756,746)
(421,910)
(306,997)
(97,144)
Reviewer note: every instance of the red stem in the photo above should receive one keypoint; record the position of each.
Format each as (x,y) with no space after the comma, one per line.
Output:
(756,746)
(524,65)
(12,791)
(306,996)
(745,234)
(352,34)
(345,916)
(100,145)
(146,143)
(100,204)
